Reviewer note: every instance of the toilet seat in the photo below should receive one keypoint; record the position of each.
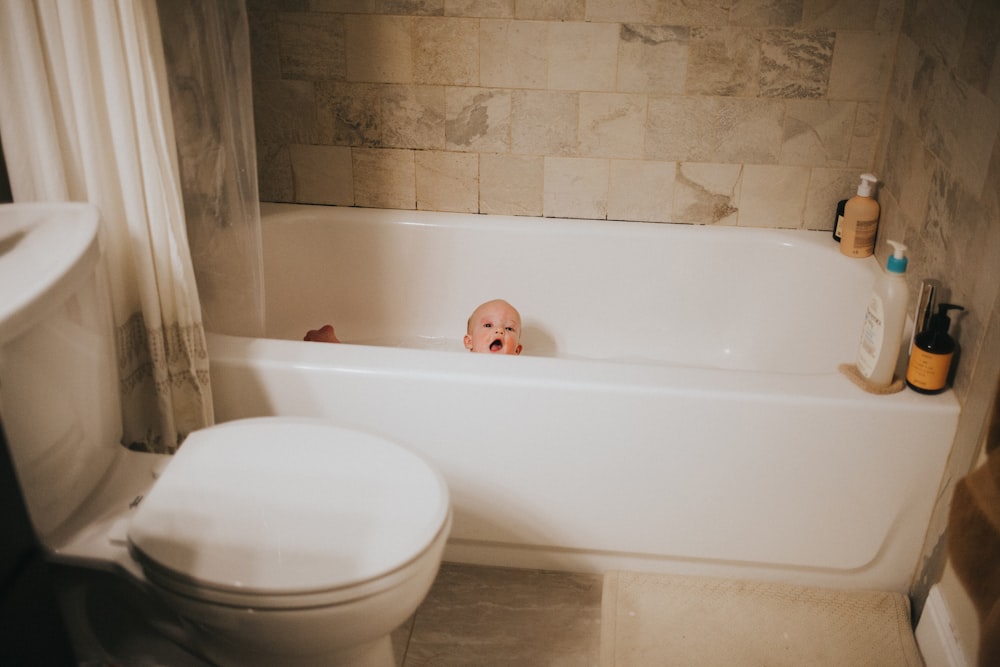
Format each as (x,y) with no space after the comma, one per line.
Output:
(296,511)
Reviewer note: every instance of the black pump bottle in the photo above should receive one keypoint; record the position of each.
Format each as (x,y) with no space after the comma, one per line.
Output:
(933,348)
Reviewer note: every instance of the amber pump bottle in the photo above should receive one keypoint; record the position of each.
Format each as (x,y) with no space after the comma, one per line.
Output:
(933,349)
(861,212)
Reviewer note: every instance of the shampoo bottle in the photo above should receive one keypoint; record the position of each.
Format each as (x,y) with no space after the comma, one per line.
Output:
(930,360)
(882,332)
(857,232)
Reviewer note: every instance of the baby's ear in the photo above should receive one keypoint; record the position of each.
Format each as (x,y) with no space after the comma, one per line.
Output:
(468,342)
(518,349)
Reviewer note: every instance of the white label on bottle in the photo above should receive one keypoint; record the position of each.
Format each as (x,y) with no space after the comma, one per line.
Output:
(871,336)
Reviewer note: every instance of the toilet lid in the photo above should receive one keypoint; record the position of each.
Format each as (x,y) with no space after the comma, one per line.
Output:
(278,505)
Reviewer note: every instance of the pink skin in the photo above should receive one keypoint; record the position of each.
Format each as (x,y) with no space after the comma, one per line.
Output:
(494,328)
(324,334)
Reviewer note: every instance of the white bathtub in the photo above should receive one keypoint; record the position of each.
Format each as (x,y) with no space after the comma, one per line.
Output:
(677,408)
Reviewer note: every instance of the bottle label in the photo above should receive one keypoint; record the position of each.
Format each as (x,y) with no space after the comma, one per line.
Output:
(864,238)
(928,371)
(837,233)
(871,336)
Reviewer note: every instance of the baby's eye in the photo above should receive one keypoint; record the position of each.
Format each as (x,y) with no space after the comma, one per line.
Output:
(510,329)
(488,325)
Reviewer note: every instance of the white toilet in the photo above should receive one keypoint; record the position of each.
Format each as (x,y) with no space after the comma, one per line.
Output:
(276,540)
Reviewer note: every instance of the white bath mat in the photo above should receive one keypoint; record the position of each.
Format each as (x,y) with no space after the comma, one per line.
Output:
(654,619)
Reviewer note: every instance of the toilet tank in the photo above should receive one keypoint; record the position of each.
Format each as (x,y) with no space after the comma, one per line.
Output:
(59,403)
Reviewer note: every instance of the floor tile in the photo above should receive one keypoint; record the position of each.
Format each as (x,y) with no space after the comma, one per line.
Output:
(497,616)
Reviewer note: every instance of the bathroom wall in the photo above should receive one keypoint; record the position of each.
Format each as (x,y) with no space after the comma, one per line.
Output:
(939,156)
(756,113)
(738,112)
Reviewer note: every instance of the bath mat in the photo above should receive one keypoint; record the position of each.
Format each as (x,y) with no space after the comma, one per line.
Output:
(656,619)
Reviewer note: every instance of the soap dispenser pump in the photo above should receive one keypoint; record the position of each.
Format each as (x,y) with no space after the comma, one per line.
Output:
(882,333)
(933,349)
(861,213)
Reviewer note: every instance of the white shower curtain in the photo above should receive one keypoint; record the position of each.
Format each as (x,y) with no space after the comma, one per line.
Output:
(85,116)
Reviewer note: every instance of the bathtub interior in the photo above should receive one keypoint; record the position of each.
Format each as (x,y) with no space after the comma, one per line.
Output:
(738,299)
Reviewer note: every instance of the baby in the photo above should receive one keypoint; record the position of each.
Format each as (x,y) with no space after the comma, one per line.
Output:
(494,327)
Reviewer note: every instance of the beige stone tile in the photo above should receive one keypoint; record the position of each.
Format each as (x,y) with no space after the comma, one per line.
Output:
(411,7)
(938,28)
(772,13)
(625,11)
(494,616)
(889,15)
(265,49)
(714,129)
(348,113)
(773,196)
(446,51)
(498,9)
(312,45)
(909,166)
(979,47)
(511,184)
(284,112)
(274,173)
(582,56)
(818,133)
(666,12)
(652,58)
(400,637)
(544,122)
(707,193)
(826,188)
(412,116)
(384,178)
(641,191)
(447,181)
(866,133)
(862,64)
(723,61)
(956,118)
(576,188)
(477,119)
(669,620)
(612,125)
(796,63)
(513,54)
(379,49)
(839,15)
(550,10)
(322,174)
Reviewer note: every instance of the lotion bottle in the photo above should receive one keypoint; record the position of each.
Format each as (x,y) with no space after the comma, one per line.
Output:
(933,349)
(857,232)
(882,333)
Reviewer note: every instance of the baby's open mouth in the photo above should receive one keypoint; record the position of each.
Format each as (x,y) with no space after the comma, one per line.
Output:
(496,345)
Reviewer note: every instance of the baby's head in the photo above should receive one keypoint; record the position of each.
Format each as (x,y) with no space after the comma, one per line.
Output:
(494,327)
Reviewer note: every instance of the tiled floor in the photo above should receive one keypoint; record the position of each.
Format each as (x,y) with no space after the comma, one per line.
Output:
(473,615)
(496,616)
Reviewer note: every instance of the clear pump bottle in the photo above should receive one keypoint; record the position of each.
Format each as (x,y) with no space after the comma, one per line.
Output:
(882,333)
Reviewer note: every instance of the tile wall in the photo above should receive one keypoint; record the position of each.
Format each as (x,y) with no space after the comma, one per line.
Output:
(939,156)
(757,113)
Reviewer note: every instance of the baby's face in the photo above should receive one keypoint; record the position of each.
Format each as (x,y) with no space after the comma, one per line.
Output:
(495,327)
